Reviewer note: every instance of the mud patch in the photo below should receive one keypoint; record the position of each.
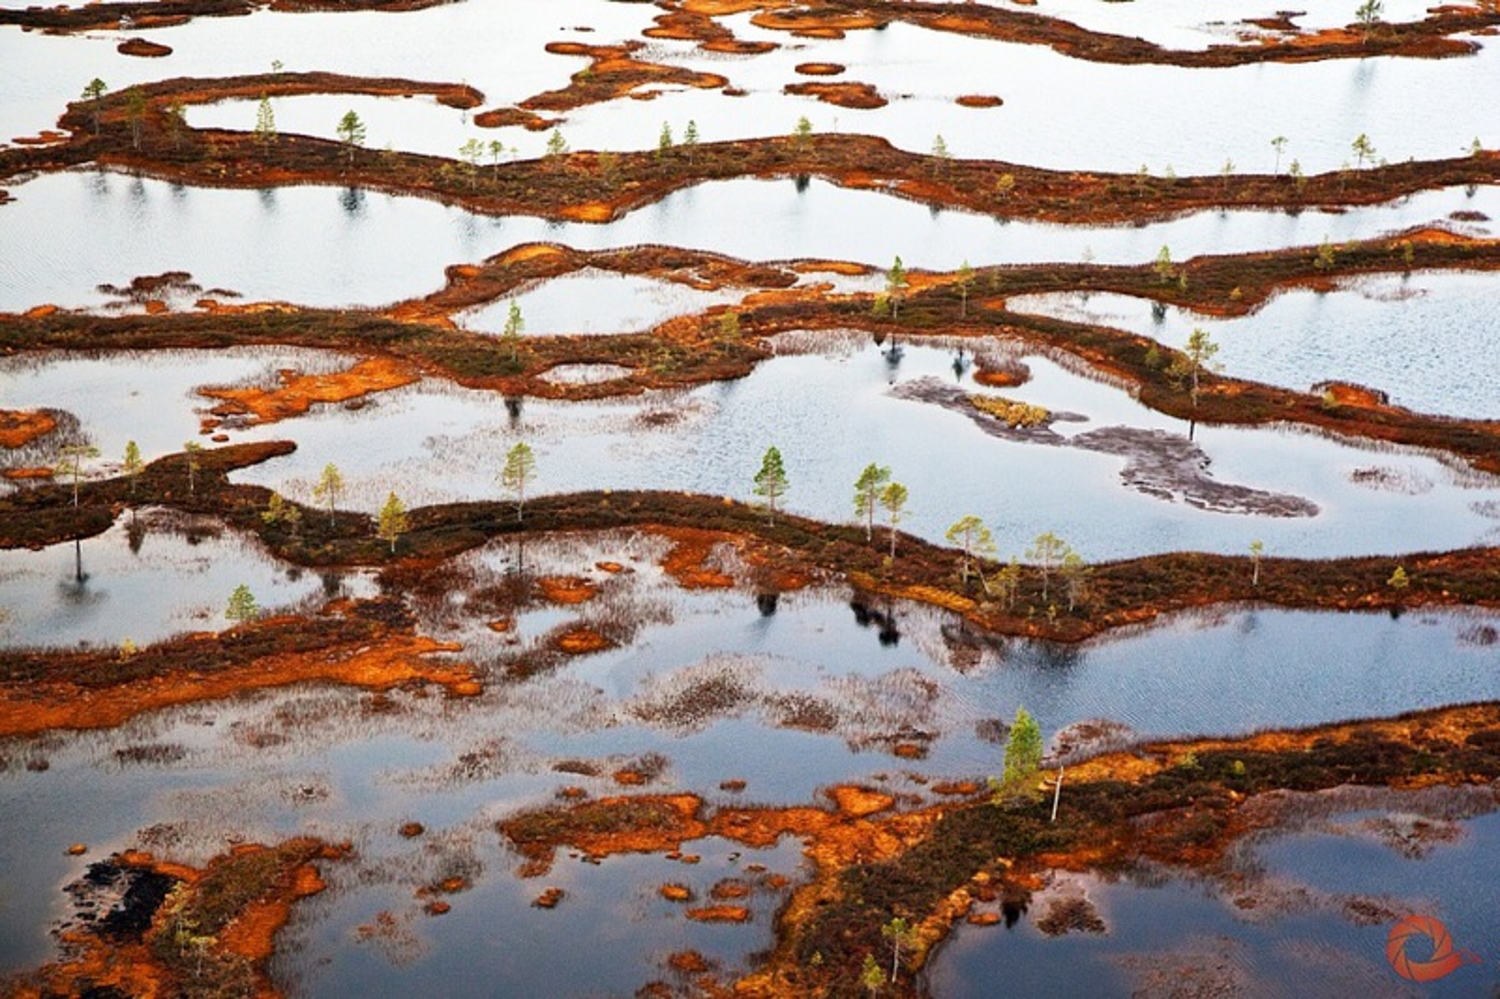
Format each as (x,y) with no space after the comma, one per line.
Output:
(1171,467)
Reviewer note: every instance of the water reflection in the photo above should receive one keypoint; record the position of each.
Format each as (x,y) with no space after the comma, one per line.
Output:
(352,201)
(1304,909)
(302,252)
(145,581)
(788,702)
(832,413)
(1414,336)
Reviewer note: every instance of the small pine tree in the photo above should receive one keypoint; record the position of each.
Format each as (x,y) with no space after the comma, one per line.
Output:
(515,325)
(901,934)
(1163,265)
(802,134)
(265,122)
(329,488)
(1197,356)
(872,975)
(965,279)
(896,283)
(893,499)
(135,113)
(132,465)
(1047,553)
(940,156)
(867,490)
(94,94)
(351,132)
(242,606)
(1023,755)
(520,467)
(392,523)
(771,481)
(74,456)
(190,452)
(974,541)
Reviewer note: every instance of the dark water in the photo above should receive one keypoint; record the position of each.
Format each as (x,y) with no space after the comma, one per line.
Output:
(1170,934)
(314,760)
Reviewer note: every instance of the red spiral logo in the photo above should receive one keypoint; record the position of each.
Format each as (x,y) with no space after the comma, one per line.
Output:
(1444,958)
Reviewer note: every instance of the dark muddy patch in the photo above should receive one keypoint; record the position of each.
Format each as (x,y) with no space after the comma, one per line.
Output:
(119,901)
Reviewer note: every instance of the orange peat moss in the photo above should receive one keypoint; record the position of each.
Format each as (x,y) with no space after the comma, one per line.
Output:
(297,393)
(549,899)
(841,267)
(253,934)
(38,705)
(1000,377)
(143,48)
(20,427)
(820,68)
(46,137)
(27,474)
(730,889)
(566,589)
(685,560)
(613,73)
(845,94)
(1348,394)
(720,914)
(509,117)
(688,962)
(687,25)
(663,823)
(979,101)
(826,22)
(581,641)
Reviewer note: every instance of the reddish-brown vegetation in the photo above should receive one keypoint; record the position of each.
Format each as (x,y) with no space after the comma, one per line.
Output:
(19,428)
